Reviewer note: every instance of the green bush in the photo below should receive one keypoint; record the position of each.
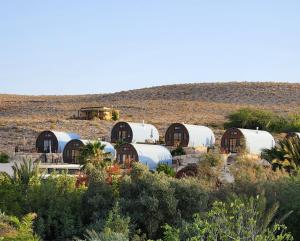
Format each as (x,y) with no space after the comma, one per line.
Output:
(4,158)
(148,199)
(57,203)
(166,169)
(179,151)
(265,120)
(237,219)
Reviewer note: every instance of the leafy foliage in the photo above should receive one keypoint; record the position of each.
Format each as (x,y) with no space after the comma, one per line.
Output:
(115,115)
(235,220)
(179,151)
(166,169)
(24,171)
(264,120)
(148,199)
(13,229)
(4,158)
(93,153)
(286,155)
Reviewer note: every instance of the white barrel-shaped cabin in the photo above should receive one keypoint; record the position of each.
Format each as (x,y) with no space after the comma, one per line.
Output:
(236,140)
(53,141)
(72,151)
(293,134)
(180,134)
(134,133)
(149,155)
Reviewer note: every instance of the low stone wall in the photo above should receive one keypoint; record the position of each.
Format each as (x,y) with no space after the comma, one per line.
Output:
(42,157)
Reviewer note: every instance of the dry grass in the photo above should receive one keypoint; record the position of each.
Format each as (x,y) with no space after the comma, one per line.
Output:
(22,117)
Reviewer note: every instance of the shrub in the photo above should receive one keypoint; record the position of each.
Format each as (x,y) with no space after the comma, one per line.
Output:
(115,115)
(264,120)
(238,219)
(148,199)
(166,169)
(179,151)
(57,202)
(14,229)
(4,158)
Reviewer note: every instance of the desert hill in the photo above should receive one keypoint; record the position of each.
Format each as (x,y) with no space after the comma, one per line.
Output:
(22,117)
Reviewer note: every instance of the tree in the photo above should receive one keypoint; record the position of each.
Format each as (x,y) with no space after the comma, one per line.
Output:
(148,199)
(57,202)
(93,153)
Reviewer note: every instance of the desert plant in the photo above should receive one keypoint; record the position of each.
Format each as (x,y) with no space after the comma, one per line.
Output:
(24,171)
(286,155)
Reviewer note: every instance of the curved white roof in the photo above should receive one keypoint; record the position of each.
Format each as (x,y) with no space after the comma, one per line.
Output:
(109,148)
(298,134)
(63,138)
(257,140)
(152,155)
(142,132)
(200,136)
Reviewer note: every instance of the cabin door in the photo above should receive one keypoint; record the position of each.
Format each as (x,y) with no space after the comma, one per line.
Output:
(75,156)
(177,138)
(122,135)
(233,145)
(47,146)
(126,159)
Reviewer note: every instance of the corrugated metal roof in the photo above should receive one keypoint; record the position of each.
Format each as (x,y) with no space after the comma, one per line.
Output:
(200,136)
(257,140)
(152,155)
(143,132)
(109,148)
(63,138)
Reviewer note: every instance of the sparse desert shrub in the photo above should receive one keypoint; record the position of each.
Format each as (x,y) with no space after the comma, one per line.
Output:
(209,169)
(247,169)
(4,158)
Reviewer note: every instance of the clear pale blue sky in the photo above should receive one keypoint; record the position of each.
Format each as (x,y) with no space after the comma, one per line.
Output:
(71,47)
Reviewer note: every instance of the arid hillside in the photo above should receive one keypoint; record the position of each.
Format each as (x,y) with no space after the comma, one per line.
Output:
(22,117)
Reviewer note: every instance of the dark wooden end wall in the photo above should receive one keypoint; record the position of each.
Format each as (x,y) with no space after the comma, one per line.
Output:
(177,135)
(121,132)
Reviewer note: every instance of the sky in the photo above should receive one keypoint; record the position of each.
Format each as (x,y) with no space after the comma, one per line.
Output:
(95,46)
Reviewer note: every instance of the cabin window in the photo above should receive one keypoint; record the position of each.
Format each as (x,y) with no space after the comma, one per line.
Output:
(47,146)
